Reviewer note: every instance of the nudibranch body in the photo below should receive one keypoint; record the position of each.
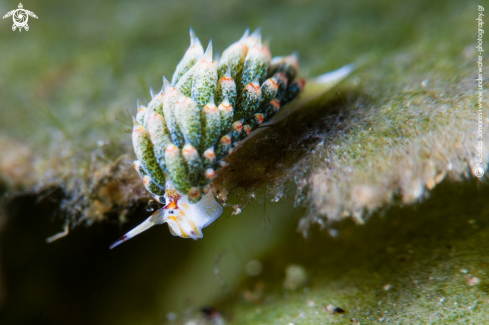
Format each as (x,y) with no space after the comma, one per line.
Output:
(182,135)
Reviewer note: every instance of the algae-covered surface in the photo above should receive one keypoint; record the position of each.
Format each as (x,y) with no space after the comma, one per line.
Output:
(363,195)
(416,265)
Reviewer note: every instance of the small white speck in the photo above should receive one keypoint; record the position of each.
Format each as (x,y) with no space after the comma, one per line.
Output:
(236,210)
(171,316)
(333,233)
(330,309)
(449,166)
(387,287)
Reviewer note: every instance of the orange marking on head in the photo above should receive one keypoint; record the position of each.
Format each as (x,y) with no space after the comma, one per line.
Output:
(173,196)
(171,205)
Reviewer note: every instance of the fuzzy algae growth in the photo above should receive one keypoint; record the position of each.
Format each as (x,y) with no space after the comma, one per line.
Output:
(402,124)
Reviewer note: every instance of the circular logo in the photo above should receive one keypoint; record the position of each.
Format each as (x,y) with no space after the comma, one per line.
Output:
(20,17)
(479,171)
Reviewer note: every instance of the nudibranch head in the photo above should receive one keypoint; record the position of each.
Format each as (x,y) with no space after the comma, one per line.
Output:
(181,137)
(184,219)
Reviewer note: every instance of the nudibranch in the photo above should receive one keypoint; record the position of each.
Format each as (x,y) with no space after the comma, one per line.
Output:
(197,119)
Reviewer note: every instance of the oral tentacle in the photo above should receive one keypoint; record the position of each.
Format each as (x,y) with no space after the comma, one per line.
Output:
(155,219)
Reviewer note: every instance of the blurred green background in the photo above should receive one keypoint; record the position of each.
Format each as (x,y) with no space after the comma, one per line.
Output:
(70,84)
